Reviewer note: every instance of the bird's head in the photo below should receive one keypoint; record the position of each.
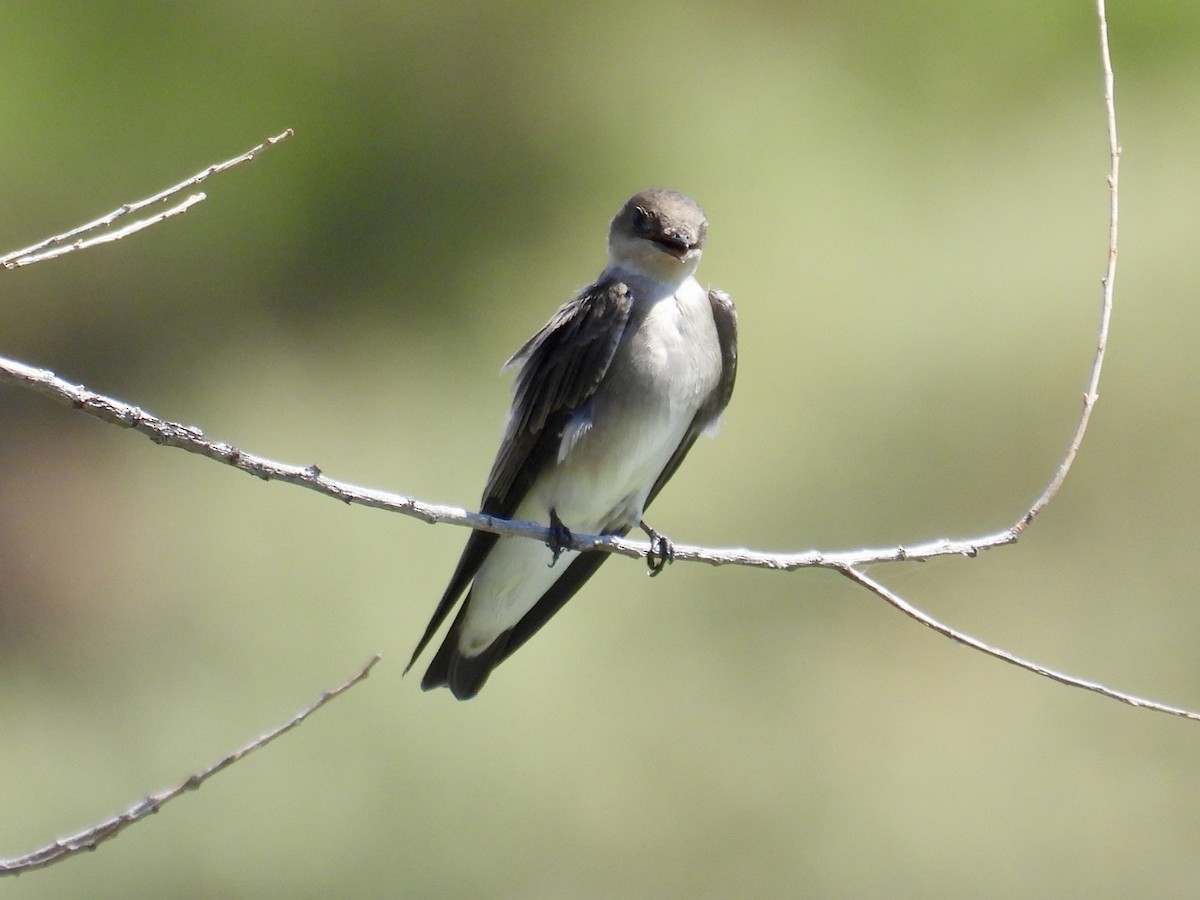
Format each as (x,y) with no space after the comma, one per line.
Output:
(658,234)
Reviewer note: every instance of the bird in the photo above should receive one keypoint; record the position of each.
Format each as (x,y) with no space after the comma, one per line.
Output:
(609,397)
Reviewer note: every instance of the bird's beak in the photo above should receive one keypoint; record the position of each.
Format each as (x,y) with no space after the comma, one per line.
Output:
(677,245)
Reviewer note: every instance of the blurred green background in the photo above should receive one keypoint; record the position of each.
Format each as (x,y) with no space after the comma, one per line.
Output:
(908,203)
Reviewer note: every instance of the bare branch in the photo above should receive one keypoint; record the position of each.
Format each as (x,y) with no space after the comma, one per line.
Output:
(34,253)
(945,630)
(1091,395)
(92,837)
(193,440)
(106,237)
(1089,401)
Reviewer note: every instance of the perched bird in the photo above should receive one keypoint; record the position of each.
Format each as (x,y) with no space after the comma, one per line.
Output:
(610,396)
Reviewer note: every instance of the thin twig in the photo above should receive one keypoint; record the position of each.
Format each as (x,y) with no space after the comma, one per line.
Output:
(1070,681)
(1091,395)
(32,253)
(106,237)
(92,837)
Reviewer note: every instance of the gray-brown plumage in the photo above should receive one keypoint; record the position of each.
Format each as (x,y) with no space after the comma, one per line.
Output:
(610,396)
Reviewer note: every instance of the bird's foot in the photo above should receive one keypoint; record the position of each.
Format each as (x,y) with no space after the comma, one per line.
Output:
(560,537)
(662,551)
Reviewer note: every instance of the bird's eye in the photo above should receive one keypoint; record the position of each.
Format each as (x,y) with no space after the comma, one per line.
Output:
(643,222)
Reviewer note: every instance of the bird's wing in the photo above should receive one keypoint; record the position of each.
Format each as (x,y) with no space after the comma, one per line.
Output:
(561,366)
(584,565)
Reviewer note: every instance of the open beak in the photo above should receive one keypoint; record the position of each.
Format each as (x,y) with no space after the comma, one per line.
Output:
(675,245)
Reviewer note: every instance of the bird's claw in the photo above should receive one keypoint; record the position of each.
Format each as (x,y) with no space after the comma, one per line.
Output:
(560,538)
(662,551)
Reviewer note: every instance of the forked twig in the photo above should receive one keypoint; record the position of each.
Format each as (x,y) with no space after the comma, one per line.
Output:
(59,246)
(1089,401)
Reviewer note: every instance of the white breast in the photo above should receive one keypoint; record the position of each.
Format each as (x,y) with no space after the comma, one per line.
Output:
(662,373)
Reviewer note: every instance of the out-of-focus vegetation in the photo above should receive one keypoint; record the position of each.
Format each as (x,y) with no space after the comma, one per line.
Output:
(908,203)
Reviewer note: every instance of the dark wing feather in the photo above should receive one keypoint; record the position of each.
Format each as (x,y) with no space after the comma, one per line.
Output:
(464,675)
(582,568)
(561,367)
